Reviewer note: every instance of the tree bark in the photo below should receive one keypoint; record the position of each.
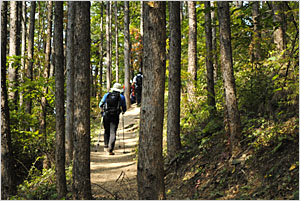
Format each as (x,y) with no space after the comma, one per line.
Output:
(214,42)
(81,160)
(70,83)
(127,54)
(43,121)
(101,50)
(256,53)
(192,50)
(228,76)
(108,41)
(278,18)
(29,67)
(150,175)
(142,34)
(173,124)
(13,46)
(7,180)
(209,60)
(117,41)
(23,49)
(59,101)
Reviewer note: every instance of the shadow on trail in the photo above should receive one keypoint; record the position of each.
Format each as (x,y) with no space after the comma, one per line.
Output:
(114,176)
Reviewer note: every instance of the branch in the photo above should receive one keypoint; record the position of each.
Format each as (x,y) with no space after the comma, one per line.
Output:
(114,195)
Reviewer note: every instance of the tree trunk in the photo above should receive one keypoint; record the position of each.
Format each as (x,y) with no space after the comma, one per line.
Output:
(228,77)
(101,50)
(70,83)
(256,39)
(108,39)
(13,46)
(23,49)
(117,41)
(43,116)
(59,101)
(214,42)
(142,34)
(127,54)
(150,175)
(7,181)
(29,67)
(278,18)
(49,35)
(173,127)
(209,60)
(81,160)
(192,50)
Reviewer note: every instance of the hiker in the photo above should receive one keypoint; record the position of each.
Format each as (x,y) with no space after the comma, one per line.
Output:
(132,97)
(111,105)
(137,82)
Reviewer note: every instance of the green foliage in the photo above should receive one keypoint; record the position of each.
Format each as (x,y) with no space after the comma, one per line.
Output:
(40,185)
(262,132)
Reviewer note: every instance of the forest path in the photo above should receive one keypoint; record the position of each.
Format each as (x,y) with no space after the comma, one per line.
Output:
(114,177)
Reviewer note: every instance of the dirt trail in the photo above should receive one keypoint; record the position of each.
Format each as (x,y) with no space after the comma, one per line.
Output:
(114,177)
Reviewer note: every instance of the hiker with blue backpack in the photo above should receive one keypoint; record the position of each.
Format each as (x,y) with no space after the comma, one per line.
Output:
(111,105)
(137,82)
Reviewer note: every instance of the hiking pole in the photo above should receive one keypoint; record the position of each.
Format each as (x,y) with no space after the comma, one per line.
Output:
(123,134)
(98,143)
(118,134)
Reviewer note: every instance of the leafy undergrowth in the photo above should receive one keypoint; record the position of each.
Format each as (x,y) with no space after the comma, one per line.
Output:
(267,168)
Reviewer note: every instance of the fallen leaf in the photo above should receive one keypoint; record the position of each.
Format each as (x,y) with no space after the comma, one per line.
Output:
(292,167)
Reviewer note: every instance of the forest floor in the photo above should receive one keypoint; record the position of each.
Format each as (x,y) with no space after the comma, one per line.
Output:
(202,170)
(114,176)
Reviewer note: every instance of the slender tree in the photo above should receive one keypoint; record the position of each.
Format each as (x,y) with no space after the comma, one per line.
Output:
(29,66)
(173,124)
(150,175)
(48,39)
(13,46)
(256,53)
(59,100)
(214,41)
(43,123)
(142,34)
(108,41)
(209,60)
(127,54)
(117,41)
(70,82)
(192,49)
(101,49)
(7,181)
(228,77)
(81,160)
(23,48)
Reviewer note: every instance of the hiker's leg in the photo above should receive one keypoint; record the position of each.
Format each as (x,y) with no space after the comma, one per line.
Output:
(106,124)
(113,131)
(138,95)
(112,137)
